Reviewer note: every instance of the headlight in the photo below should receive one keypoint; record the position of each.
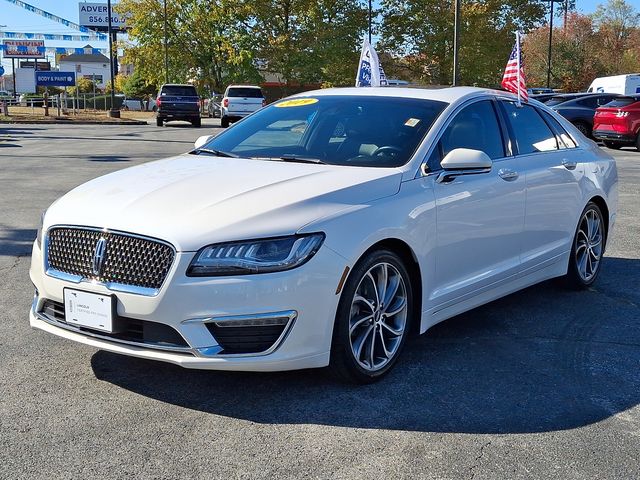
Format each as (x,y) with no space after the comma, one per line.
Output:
(255,256)
(39,233)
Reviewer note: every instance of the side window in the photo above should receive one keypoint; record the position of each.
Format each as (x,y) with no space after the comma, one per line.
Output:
(588,102)
(532,134)
(564,136)
(475,127)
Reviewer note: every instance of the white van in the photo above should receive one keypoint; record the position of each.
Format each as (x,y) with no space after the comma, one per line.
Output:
(622,84)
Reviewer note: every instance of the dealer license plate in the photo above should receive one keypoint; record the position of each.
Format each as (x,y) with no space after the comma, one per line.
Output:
(88,310)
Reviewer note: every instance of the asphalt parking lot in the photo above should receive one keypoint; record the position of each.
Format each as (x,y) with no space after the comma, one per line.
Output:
(542,384)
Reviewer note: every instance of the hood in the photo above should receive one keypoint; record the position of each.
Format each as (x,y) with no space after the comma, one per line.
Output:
(195,200)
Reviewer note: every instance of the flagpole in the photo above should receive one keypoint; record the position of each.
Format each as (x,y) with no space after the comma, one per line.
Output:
(518,53)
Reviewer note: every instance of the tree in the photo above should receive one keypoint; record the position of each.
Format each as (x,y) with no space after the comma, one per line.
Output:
(309,41)
(208,42)
(137,87)
(419,35)
(602,44)
(84,85)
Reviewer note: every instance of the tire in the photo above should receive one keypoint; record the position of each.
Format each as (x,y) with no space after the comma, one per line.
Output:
(638,142)
(584,128)
(196,122)
(363,329)
(612,145)
(588,247)
(154,109)
(224,122)
(209,114)
(158,121)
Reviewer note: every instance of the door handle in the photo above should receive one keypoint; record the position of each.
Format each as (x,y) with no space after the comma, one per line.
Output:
(507,174)
(569,165)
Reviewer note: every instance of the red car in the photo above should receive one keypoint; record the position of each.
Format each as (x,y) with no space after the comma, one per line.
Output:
(618,122)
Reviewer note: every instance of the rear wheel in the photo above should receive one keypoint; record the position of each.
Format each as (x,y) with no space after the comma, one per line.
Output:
(613,145)
(638,141)
(588,248)
(158,121)
(584,128)
(373,318)
(196,122)
(224,122)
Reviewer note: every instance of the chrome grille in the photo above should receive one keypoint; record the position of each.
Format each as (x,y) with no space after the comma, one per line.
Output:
(128,259)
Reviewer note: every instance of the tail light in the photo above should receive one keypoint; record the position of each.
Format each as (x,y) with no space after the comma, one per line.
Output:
(225,102)
(158,101)
(621,114)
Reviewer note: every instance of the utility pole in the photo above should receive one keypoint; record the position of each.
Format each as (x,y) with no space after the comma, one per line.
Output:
(166,54)
(456,44)
(114,112)
(550,39)
(369,22)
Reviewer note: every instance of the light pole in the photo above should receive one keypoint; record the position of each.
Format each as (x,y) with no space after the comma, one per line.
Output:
(456,43)
(369,22)
(550,39)
(166,54)
(113,112)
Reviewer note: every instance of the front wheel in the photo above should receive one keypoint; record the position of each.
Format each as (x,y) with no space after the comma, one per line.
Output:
(224,122)
(158,121)
(373,318)
(588,248)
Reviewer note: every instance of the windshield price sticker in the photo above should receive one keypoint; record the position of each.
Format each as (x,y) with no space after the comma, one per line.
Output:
(412,122)
(297,102)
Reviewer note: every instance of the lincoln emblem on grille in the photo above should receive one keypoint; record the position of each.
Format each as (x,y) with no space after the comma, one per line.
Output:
(99,256)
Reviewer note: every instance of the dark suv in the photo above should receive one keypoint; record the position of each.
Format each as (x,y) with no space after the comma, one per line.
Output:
(579,108)
(178,102)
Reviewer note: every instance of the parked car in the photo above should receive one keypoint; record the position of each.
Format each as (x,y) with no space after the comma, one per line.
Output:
(620,84)
(214,106)
(324,230)
(239,101)
(139,104)
(618,122)
(542,97)
(4,94)
(579,108)
(539,90)
(178,102)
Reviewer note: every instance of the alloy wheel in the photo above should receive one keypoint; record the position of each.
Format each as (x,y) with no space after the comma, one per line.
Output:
(589,244)
(378,317)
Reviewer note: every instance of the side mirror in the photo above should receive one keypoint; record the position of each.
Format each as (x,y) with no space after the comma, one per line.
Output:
(466,159)
(202,140)
(463,161)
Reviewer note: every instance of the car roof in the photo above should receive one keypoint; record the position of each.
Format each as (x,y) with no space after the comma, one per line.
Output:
(449,95)
(177,85)
(243,86)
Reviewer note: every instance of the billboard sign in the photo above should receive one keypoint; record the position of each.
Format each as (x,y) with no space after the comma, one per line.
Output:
(55,79)
(95,17)
(24,48)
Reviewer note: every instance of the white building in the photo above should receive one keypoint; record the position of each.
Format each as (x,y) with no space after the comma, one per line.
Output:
(95,67)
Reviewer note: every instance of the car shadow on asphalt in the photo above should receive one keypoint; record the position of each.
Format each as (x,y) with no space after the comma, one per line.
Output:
(542,359)
(16,241)
(108,158)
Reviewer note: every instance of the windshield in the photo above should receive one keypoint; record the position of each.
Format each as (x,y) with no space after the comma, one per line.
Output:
(623,101)
(557,100)
(339,130)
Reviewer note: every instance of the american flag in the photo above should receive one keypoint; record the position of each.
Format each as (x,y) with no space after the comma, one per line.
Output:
(513,79)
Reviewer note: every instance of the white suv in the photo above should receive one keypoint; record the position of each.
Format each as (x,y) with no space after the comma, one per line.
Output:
(239,101)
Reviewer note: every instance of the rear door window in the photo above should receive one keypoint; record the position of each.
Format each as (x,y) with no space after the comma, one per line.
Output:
(245,92)
(565,140)
(531,132)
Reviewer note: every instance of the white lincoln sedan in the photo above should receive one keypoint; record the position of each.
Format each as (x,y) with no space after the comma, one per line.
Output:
(325,229)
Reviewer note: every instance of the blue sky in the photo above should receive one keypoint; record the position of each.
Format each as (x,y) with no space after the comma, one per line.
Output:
(17,19)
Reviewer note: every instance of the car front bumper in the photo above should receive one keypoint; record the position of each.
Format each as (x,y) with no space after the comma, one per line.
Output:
(187,304)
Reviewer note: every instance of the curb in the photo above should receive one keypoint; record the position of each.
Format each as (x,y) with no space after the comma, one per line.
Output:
(74,122)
